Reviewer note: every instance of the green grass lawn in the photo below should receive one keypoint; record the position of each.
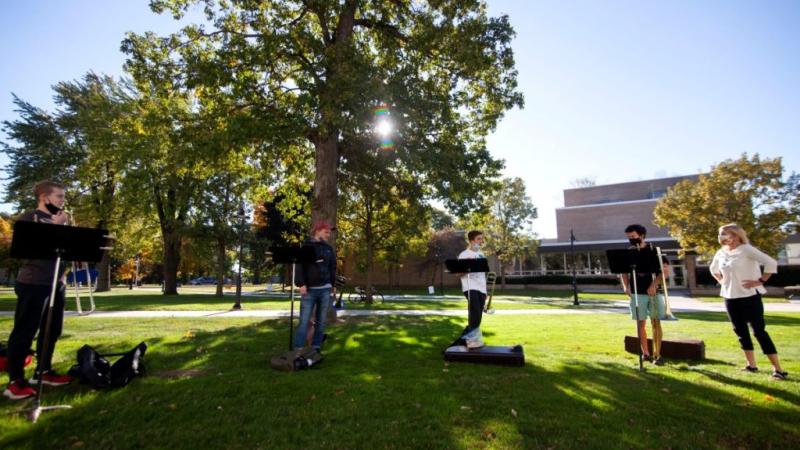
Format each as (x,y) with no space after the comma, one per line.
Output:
(202,299)
(383,384)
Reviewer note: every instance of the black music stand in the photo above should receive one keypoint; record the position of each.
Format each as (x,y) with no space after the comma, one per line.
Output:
(629,261)
(36,240)
(293,255)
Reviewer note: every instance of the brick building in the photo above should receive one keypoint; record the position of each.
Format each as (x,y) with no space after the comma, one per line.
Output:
(597,216)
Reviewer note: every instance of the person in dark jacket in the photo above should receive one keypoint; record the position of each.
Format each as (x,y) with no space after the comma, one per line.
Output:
(33,292)
(316,283)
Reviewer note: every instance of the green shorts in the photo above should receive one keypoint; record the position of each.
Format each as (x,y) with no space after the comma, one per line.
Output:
(653,307)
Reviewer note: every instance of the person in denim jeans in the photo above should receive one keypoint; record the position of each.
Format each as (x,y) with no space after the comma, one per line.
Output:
(316,283)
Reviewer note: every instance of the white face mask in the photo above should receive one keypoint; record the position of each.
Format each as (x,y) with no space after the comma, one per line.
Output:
(476,247)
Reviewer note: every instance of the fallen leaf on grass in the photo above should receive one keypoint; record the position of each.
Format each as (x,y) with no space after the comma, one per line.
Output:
(188,335)
(769,398)
(489,435)
(466,408)
(173,406)
(219,408)
(513,412)
(339,391)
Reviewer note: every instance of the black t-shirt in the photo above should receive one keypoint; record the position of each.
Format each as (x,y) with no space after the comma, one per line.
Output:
(38,271)
(645,278)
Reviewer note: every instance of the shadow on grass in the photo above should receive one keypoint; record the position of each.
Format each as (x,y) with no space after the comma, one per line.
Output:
(770,318)
(383,384)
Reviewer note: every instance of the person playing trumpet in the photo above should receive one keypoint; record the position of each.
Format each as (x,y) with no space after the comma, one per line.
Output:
(33,290)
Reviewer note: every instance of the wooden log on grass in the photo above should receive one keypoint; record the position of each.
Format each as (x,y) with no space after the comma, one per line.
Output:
(691,349)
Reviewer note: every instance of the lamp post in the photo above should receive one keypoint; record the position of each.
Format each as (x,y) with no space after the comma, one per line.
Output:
(242,216)
(574,274)
(136,260)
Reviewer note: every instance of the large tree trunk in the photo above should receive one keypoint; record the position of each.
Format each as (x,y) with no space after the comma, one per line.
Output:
(172,260)
(104,273)
(502,275)
(221,260)
(324,204)
(370,238)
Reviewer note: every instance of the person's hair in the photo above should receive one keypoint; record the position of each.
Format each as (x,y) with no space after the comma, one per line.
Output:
(45,188)
(636,228)
(473,234)
(320,225)
(735,230)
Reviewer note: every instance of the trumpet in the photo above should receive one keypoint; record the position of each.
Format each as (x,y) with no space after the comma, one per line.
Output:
(75,268)
(668,310)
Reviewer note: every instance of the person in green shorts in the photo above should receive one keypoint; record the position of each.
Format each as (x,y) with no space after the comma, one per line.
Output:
(649,302)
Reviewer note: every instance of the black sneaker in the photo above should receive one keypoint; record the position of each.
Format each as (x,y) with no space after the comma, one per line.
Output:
(647,358)
(659,361)
(750,369)
(780,375)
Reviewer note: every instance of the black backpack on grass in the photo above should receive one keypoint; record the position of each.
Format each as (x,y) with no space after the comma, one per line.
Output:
(96,371)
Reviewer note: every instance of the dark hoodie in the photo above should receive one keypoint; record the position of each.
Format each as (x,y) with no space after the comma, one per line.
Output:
(320,273)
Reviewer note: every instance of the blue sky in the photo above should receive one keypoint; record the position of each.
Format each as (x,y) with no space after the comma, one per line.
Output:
(614,90)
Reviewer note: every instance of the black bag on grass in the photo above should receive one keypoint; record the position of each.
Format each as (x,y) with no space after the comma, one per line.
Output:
(95,370)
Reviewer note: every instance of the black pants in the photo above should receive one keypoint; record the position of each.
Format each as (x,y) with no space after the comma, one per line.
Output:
(29,317)
(476,300)
(749,310)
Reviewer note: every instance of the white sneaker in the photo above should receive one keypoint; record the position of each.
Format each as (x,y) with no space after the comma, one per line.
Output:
(475,343)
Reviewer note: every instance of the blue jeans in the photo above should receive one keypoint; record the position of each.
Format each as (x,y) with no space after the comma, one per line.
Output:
(321,298)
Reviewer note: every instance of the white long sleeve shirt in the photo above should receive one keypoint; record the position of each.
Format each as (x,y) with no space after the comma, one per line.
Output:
(473,281)
(743,263)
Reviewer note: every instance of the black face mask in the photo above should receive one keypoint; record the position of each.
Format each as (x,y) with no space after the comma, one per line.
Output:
(635,241)
(52,208)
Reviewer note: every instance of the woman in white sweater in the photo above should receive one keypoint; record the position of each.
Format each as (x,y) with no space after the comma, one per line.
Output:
(737,267)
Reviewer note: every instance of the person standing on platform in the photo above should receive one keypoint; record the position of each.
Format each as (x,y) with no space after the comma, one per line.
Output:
(474,287)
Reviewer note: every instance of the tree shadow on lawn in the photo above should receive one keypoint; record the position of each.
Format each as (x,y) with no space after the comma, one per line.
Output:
(383,384)
(769,317)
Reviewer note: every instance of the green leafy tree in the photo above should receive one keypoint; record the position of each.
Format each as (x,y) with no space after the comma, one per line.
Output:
(504,221)
(78,145)
(316,70)
(750,191)
(383,211)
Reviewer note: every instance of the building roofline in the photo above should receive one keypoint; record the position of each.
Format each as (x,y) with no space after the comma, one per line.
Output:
(610,241)
(622,202)
(678,177)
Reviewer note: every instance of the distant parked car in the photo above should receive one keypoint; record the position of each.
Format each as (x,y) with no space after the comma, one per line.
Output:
(202,280)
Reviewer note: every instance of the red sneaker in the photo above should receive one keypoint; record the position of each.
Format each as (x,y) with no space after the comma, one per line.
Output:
(19,389)
(51,378)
